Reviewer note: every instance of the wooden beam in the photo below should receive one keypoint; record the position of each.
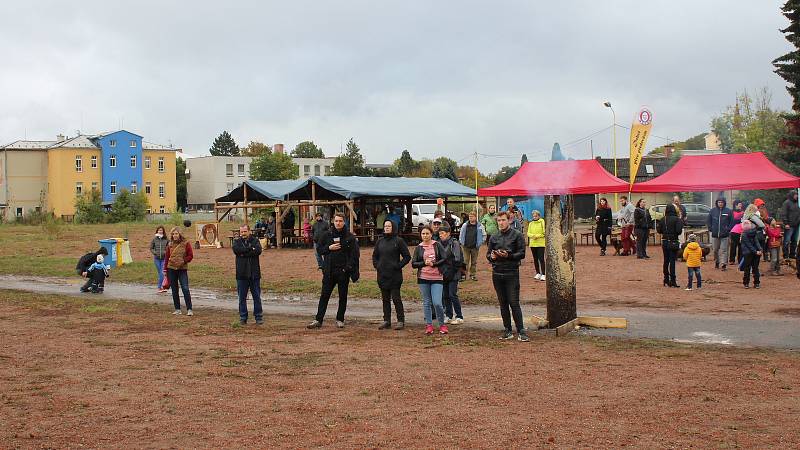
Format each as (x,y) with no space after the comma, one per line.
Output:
(539,322)
(245,203)
(278,227)
(568,327)
(603,322)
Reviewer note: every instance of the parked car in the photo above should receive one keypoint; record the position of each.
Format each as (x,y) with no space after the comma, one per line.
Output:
(696,213)
(422,214)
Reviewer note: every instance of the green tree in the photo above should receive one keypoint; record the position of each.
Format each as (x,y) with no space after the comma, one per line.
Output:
(350,163)
(129,207)
(224,145)
(750,124)
(307,149)
(180,183)
(89,208)
(505,173)
(787,153)
(273,166)
(444,167)
(255,148)
(406,165)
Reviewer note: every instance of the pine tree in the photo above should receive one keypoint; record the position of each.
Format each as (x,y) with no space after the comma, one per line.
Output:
(224,145)
(406,165)
(351,162)
(444,167)
(787,155)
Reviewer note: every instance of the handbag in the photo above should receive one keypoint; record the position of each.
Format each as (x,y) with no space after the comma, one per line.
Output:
(673,245)
(165,283)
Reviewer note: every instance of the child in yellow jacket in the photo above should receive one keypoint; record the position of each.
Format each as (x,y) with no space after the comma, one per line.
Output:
(693,255)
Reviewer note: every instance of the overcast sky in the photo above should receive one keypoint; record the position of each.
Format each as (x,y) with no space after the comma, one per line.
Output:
(434,77)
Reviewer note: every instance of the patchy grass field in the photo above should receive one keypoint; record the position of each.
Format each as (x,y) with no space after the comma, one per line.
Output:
(98,373)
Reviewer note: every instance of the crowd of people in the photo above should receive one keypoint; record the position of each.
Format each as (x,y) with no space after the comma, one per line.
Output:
(445,257)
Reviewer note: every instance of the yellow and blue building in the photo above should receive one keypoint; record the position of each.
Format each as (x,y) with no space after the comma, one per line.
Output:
(51,174)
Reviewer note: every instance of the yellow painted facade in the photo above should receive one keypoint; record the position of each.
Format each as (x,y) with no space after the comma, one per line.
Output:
(154,175)
(63,177)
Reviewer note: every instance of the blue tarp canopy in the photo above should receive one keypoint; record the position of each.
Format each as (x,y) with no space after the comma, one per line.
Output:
(334,188)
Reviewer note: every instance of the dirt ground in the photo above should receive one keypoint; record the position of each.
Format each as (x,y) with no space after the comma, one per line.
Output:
(88,372)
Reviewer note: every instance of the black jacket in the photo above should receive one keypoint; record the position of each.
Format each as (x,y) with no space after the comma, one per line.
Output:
(319,228)
(418,260)
(670,226)
(345,259)
(641,219)
(720,220)
(750,242)
(606,220)
(454,259)
(511,241)
(389,257)
(247,251)
(790,211)
(87,260)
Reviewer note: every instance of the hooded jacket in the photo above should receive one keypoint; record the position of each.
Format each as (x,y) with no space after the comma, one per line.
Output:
(720,220)
(693,255)
(454,259)
(389,257)
(670,226)
(319,228)
(512,242)
(536,233)
(88,259)
(790,211)
(750,241)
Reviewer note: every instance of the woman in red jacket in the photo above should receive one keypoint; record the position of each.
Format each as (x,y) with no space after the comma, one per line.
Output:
(176,261)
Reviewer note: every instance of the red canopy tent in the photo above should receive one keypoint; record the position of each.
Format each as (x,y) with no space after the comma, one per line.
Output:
(556,178)
(727,171)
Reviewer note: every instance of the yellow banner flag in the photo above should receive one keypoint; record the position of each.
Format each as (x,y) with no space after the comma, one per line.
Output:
(640,131)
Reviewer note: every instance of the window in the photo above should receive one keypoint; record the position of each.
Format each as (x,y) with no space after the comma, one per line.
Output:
(94,162)
(160,163)
(113,189)
(94,185)
(161,209)
(148,211)
(228,170)
(316,170)
(229,187)
(147,189)
(133,161)
(240,169)
(19,212)
(78,188)
(133,144)
(112,143)
(134,187)
(112,161)
(306,170)
(161,190)
(78,163)
(327,170)
(147,162)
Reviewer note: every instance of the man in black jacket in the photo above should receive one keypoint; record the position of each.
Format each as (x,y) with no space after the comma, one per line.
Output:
(339,249)
(318,229)
(247,248)
(83,266)
(505,251)
(790,214)
(720,223)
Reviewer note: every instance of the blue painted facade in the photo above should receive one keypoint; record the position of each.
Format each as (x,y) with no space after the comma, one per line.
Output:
(123,145)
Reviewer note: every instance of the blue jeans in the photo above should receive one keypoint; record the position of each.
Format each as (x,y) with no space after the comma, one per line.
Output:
(692,272)
(160,269)
(175,277)
(432,298)
(254,286)
(789,241)
(319,257)
(450,299)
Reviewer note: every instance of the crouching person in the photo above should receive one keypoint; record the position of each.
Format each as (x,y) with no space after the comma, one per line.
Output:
(97,274)
(85,262)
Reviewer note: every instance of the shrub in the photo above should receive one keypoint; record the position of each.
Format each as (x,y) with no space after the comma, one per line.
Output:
(89,208)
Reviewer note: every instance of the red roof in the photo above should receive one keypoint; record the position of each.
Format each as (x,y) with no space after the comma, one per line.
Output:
(585,176)
(727,171)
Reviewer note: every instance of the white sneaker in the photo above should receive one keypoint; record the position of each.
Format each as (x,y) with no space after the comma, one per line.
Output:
(537,277)
(177,312)
(542,278)
(339,324)
(189,312)
(457,321)
(448,321)
(688,289)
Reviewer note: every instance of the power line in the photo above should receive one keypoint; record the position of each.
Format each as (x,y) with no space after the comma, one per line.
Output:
(586,138)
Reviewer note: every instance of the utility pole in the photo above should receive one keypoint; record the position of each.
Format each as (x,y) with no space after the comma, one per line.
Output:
(477,204)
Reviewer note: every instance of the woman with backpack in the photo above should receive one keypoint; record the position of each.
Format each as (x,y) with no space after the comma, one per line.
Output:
(670,227)
(389,257)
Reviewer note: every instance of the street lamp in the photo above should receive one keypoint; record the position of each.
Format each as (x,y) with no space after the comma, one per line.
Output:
(614,141)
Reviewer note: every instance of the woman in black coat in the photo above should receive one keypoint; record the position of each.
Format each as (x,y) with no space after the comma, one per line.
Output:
(389,257)
(642,221)
(603,218)
(670,228)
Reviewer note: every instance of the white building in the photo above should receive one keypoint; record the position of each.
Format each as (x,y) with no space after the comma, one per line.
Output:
(309,167)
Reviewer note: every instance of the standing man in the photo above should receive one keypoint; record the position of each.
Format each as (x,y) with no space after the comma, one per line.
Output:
(681,211)
(790,214)
(626,221)
(319,228)
(642,225)
(505,251)
(339,249)
(511,206)
(435,226)
(471,237)
(489,223)
(720,223)
(247,249)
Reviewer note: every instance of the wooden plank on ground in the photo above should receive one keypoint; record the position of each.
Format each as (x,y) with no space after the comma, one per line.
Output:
(566,328)
(603,322)
(540,322)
